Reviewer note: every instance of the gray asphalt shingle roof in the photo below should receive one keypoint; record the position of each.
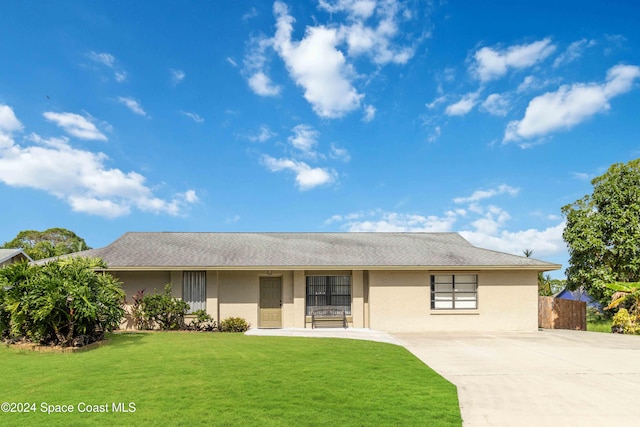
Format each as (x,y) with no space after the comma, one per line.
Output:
(7,254)
(329,250)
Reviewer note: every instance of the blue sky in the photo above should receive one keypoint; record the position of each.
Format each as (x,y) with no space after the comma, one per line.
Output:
(337,115)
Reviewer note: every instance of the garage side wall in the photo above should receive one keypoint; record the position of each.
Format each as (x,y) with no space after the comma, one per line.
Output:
(401,301)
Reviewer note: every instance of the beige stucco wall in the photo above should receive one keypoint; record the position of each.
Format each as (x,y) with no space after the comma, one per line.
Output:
(133,281)
(382,300)
(400,301)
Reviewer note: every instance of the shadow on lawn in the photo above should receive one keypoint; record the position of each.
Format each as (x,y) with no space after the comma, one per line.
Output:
(126,338)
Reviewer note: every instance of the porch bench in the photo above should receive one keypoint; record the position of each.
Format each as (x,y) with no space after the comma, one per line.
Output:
(328,317)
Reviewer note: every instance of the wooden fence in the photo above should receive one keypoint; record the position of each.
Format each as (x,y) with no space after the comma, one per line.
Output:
(557,313)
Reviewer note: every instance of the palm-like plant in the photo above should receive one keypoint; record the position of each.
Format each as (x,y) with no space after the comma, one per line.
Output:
(624,292)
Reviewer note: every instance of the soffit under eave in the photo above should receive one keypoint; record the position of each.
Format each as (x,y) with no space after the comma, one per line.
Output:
(538,268)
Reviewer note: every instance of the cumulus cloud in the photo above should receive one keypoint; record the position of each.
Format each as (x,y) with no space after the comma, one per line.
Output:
(571,104)
(255,68)
(317,65)
(76,125)
(304,139)
(464,106)
(369,113)
(339,153)
(483,226)
(493,63)
(322,61)
(8,120)
(496,104)
(263,135)
(262,85)
(81,178)
(132,105)
(307,177)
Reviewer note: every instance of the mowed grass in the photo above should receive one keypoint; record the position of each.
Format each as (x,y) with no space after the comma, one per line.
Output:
(213,379)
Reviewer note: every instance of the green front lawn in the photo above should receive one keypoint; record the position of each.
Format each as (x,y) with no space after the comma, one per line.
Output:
(227,379)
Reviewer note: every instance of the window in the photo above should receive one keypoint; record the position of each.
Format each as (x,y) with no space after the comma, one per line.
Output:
(454,291)
(194,290)
(329,291)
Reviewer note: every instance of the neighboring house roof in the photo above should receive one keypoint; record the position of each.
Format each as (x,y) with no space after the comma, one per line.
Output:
(577,295)
(146,251)
(8,254)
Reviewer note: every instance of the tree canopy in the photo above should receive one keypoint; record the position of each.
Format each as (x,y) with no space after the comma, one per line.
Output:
(47,243)
(603,232)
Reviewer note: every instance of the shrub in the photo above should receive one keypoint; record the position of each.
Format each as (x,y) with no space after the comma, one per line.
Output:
(234,324)
(625,323)
(163,310)
(64,302)
(202,322)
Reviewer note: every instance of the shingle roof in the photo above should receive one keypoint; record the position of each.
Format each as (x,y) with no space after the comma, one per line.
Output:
(7,254)
(308,250)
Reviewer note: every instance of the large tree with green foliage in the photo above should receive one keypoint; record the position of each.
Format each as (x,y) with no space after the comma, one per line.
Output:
(47,243)
(603,232)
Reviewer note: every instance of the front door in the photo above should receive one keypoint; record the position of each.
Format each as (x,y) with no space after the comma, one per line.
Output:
(270,302)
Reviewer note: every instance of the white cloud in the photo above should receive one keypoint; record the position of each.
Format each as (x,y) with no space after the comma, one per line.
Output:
(132,105)
(105,59)
(305,139)
(262,85)
(76,125)
(486,194)
(81,178)
(254,67)
(369,113)
(490,63)
(120,76)
(573,52)
(484,226)
(374,41)
(8,120)
(571,105)
(177,75)
(435,134)
(339,153)
(193,116)
(306,176)
(544,242)
(398,222)
(496,104)
(263,136)
(316,65)
(464,106)
(109,61)
(582,176)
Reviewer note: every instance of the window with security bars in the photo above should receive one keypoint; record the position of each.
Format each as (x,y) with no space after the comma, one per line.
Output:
(194,290)
(329,291)
(454,292)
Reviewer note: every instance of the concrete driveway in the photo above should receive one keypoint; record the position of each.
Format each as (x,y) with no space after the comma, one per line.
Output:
(547,378)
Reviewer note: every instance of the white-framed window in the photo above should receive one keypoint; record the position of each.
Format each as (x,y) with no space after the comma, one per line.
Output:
(194,290)
(454,292)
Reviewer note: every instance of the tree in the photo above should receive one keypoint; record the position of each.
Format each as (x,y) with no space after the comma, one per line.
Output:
(545,284)
(48,243)
(603,232)
(62,302)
